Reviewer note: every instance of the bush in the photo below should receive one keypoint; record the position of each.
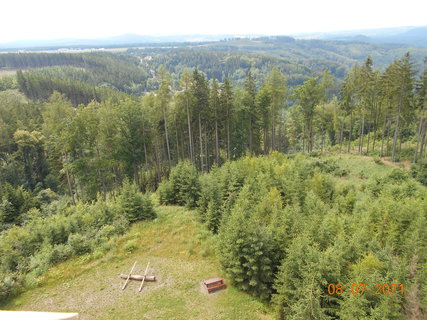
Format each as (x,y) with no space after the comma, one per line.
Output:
(60,253)
(397,176)
(14,202)
(130,246)
(165,192)
(378,160)
(419,172)
(59,232)
(134,204)
(182,188)
(80,244)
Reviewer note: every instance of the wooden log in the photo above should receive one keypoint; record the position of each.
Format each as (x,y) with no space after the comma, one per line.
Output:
(145,274)
(130,273)
(138,277)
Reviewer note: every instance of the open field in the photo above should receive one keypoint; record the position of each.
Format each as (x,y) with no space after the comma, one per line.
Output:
(7,71)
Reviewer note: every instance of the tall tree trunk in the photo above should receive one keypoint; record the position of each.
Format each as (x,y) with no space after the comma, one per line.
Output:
(166,135)
(178,156)
(145,156)
(350,132)
(70,187)
(423,139)
(250,135)
(136,173)
(369,138)
(382,138)
(181,139)
(377,114)
(228,138)
(310,137)
(201,144)
(158,160)
(341,134)
(388,137)
(190,138)
(323,140)
(396,134)
(303,143)
(265,140)
(102,179)
(361,136)
(273,130)
(207,164)
(374,138)
(217,144)
(419,132)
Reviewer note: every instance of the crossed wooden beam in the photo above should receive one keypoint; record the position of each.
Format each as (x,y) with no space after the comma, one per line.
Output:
(137,277)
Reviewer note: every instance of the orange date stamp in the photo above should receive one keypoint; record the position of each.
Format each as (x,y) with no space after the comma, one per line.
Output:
(362,288)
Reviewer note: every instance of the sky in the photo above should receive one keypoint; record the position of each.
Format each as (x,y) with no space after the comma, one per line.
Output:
(55,19)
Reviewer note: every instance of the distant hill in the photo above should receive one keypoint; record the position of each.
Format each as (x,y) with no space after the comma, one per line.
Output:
(125,40)
(414,36)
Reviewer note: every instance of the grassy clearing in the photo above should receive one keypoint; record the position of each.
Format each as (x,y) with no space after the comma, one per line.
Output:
(7,71)
(181,256)
(361,168)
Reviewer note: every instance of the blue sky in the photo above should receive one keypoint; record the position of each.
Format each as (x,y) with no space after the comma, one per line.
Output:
(51,19)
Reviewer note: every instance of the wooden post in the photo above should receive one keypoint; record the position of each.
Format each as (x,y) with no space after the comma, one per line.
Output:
(124,286)
(145,274)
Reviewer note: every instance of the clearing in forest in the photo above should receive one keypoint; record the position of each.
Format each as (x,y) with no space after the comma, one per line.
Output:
(181,255)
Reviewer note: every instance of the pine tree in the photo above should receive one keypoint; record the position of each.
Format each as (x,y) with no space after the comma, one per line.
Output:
(134,204)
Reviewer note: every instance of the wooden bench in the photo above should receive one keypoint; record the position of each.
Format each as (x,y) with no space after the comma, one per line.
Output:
(214,284)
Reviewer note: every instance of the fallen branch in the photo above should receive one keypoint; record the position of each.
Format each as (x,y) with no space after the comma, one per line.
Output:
(139,278)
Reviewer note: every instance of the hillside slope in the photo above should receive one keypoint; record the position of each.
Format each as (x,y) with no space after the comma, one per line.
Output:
(181,256)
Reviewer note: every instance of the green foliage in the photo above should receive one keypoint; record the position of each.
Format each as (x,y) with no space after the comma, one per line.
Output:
(299,283)
(135,205)
(247,254)
(130,246)
(14,203)
(79,243)
(419,172)
(322,186)
(378,160)
(289,227)
(47,238)
(182,188)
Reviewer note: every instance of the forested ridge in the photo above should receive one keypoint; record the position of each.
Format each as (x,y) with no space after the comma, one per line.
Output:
(80,141)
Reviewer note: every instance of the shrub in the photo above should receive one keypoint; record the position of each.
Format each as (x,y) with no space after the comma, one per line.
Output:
(134,204)
(397,176)
(378,160)
(130,246)
(182,187)
(80,244)
(322,186)
(60,253)
(165,192)
(419,172)
(14,202)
